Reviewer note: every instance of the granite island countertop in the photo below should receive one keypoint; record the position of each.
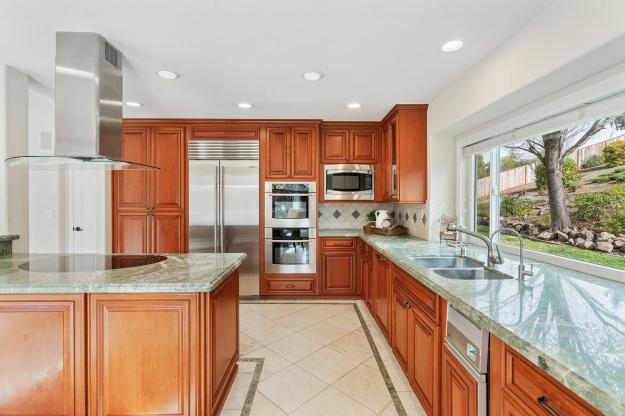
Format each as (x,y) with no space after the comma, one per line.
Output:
(195,272)
(570,324)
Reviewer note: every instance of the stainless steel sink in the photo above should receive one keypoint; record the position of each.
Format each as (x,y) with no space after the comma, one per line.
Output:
(471,274)
(450,262)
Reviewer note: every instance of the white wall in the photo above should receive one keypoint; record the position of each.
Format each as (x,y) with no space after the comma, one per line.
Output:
(568,42)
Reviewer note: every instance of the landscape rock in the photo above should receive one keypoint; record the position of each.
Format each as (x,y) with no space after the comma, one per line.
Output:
(562,236)
(546,235)
(533,231)
(567,230)
(604,246)
(571,242)
(619,243)
(605,236)
(587,235)
(574,233)
(579,242)
(588,245)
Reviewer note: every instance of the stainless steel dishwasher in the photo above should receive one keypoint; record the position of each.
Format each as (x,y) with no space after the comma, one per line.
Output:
(469,344)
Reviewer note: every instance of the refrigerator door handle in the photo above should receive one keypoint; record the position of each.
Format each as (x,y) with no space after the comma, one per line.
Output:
(216,209)
(222,218)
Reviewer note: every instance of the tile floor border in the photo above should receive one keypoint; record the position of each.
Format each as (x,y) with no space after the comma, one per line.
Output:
(399,407)
(251,393)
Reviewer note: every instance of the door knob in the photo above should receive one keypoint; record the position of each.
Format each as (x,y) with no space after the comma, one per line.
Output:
(76,228)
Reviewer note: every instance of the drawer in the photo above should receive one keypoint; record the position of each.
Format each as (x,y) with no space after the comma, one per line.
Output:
(290,287)
(425,298)
(533,387)
(338,243)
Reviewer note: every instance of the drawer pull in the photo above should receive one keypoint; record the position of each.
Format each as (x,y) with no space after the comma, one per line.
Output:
(407,305)
(544,403)
(290,286)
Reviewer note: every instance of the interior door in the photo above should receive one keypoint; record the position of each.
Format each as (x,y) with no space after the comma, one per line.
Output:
(87,214)
(203,206)
(240,217)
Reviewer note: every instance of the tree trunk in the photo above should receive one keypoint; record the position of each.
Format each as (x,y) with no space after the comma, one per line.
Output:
(554,165)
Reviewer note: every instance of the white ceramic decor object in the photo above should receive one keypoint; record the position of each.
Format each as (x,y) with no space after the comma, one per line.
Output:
(382,219)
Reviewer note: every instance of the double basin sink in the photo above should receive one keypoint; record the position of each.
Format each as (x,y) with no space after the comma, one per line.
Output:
(458,267)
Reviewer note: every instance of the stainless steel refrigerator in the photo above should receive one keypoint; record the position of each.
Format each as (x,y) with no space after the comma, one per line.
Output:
(224,204)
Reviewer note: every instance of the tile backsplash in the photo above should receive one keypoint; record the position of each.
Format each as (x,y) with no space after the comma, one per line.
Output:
(411,216)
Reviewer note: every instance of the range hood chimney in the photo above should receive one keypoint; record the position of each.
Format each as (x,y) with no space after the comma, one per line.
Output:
(88,106)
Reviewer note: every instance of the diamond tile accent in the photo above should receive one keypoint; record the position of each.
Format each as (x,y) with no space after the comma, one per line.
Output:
(406,216)
(414,217)
(392,214)
(320,214)
(356,214)
(336,214)
(424,219)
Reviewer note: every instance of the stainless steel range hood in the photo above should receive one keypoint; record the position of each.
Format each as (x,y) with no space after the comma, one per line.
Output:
(88,106)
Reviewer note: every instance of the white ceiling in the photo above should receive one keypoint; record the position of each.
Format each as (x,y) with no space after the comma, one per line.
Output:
(376,52)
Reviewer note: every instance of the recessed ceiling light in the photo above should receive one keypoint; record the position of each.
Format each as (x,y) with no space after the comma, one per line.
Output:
(313,76)
(353,106)
(452,45)
(165,74)
(133,104)
(244,106)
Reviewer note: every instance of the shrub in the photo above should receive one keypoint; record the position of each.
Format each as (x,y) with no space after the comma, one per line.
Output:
(594,161)
(483,210)
(544,219)
(570,177)
(614,154)
(515,207)
(591,206)
(616,222)
(618,175)
(604,208)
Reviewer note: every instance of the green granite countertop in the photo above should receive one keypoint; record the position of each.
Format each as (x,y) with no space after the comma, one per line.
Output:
(179,273)
(570,324)
(340,232)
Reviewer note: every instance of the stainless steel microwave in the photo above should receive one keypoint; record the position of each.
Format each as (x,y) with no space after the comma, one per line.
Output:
(349,182)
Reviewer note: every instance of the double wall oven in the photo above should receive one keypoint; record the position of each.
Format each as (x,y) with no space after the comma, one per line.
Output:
(290,228)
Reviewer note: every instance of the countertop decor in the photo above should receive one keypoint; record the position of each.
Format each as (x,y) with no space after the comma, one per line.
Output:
(196,272)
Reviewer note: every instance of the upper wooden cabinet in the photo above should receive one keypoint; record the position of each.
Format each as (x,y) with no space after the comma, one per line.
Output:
(405,154)
(349,143)
(290,152)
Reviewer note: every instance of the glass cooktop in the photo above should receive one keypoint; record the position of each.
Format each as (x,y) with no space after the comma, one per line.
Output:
(89,262)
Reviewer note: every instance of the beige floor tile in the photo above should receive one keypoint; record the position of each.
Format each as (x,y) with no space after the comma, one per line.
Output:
(298,320)
(365,385)
(327,364)
(250,319)
(273,362)
(347,320)
(371,362)
(328,310)
(268,332)
(247,344)
(411,405)
(262,406)
(278,310)
(247,366)
(332,402)
(238,391)
(324,332)
(291,387)
(353,345)
(230,412)
(294,347)
(397,375)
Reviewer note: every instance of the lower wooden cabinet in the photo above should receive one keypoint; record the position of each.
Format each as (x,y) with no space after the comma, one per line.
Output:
(42,355)
(401,327)
(458,387)
(337,266)
(425,364)
(366,273)
(382,293)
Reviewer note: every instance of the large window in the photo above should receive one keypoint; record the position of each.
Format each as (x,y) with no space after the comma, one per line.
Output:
(564,191)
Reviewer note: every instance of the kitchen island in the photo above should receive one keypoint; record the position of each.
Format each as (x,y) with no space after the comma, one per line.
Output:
(155,339)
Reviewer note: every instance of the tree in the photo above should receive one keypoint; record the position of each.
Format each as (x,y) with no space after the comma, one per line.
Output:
(552,149)
(483,167)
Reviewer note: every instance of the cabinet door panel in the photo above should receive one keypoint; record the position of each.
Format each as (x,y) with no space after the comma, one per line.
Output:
(426,359)
(459,388)
(338,272)
(304,157)
(143,354)
(131,186)
(132,230)
(169,156)
(277,153)
(382,279)
(41,368)
(335,146)
(363,146)
(400,331)
(168,232)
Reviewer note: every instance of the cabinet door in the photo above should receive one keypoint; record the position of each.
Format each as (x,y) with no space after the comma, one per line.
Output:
(168,234)
(338,272)
(168,153)
(304,154)
(143,354)
(382,293)
(131,186)
(41,357)
(367,277)
(277,153)
(458,387)
(335,146)
(363,146)
(401,327)
(132,232)
(223,353)
(425,360)
(391,166)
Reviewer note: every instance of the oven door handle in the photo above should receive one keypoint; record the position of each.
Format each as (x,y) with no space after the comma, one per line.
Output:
(290,241)
(274,194)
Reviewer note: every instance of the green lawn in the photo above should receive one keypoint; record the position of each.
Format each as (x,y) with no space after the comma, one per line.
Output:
(575,253)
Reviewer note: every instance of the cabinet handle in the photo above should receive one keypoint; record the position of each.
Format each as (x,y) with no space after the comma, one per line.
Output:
(382,259)
(290,286)
(407,305)
(544,403)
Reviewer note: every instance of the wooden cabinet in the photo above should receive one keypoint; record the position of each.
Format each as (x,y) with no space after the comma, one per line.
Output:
(149,206)
(290,152)
(401,341)
(458,388)
(42,355)
(338,266)
(143,354)
(519,387)
(425,360)
(349,143)
(382,293)
(405,154)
